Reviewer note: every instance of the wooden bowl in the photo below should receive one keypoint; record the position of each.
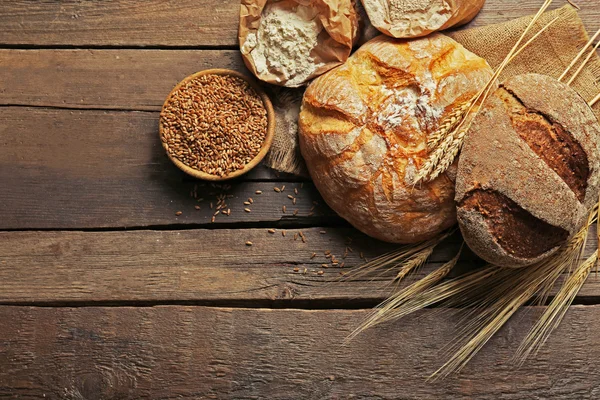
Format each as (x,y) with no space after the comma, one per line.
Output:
(265,146)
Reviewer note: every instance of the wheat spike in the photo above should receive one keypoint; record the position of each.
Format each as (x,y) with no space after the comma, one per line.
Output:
(448,124)
(401,258)
(384,309)
(414,263)
(450,155)
(507,292)
(556,311)
(431,163)
(451,137)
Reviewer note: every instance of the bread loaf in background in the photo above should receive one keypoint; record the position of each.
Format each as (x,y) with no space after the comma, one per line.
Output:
(528,172)
(364,127)
(415,18)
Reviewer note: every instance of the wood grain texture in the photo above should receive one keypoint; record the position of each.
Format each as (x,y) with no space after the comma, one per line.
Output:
(120,22)
(207,266)
(191,265)
(99,169)
(176,22)
(102,79)
(218,353)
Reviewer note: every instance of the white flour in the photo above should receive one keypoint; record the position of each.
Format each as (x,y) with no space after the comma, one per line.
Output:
(283,43)
(409,107)
(408,18)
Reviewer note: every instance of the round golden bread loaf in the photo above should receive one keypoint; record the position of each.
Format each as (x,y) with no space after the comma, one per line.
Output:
(528,173)
(364,129)
(414,18)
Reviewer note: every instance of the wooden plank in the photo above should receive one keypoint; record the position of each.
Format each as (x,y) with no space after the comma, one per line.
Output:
(191,265)
(99,169)
(197,352)
(120,23)
(206,266)
(176,22)
(102,79)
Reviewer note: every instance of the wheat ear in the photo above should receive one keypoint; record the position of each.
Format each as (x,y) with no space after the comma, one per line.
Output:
(448,124)
(579,55)
(505,292)
(556,311)
(449,140)
(381,314)
(402,259)
(448,158)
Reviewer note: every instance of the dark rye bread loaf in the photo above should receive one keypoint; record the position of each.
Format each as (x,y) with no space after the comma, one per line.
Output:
(528,172)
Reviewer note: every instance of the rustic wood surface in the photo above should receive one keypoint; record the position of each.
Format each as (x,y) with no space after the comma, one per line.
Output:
(176,23)
(106,293)
(216,353)
(196,266)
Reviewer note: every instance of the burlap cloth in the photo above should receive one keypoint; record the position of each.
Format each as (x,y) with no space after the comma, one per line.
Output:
(550,54)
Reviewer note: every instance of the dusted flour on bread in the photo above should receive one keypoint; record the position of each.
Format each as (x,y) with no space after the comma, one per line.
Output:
(364,129)
(414,18)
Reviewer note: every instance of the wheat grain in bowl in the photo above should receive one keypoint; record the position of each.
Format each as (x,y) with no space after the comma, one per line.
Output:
(216,125)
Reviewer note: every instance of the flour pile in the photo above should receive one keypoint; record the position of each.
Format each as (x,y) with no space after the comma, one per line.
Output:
(283,43)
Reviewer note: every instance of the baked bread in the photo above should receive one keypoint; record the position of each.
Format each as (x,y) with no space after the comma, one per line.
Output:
(364,127)
(528,172)
(414,18)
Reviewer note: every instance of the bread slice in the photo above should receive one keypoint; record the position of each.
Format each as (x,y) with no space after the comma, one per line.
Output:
(528,173)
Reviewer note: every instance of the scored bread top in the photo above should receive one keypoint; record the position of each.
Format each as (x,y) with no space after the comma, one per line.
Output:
(364,128)
(535,145)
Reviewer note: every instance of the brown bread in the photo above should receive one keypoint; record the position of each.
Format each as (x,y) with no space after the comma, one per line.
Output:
(364,129)
(528,172)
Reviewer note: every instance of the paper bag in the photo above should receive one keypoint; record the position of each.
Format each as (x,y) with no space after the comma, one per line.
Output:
(340,26)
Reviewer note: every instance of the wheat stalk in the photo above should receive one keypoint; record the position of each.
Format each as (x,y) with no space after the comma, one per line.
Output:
(579,55)
(533,38)
(506,293)
(593,102)
(556,311)
(492,295)
(447,139)
(552,317)
(583,64)
(383,311)
(399,258)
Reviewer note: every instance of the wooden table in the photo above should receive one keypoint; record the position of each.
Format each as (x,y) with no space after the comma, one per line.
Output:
(106,293)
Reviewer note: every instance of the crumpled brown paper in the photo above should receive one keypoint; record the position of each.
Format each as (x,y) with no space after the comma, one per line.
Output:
(550,54)
(339,19)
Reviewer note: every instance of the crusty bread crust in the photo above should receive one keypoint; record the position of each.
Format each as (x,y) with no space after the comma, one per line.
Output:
(497,157)
(364,128)
(416,18)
